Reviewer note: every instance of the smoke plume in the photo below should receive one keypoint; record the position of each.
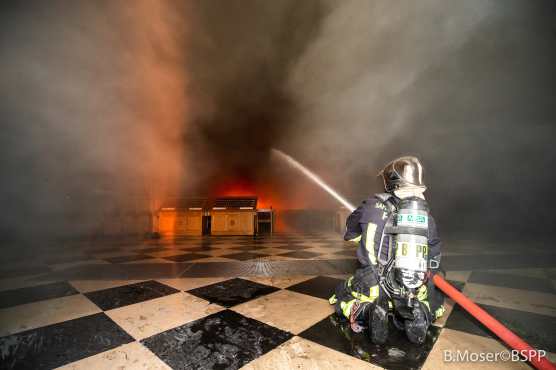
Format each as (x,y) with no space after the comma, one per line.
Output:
(465,86)
(109,107)
(94,110)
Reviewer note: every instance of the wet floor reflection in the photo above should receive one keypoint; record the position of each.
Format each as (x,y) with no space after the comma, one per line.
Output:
(396,353)
(224,340)
(232,292)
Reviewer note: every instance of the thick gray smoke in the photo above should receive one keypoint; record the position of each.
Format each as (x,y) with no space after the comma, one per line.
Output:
(467,86)
(107,106)
(240,55)
(93,112)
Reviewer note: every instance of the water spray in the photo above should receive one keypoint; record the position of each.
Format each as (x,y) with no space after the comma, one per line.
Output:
(535,357)
(313,177)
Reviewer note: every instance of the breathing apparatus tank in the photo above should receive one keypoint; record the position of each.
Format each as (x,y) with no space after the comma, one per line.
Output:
(406,262)
(411,241)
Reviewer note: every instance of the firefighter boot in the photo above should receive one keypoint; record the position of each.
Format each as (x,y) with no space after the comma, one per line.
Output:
(416,329)
(378,322)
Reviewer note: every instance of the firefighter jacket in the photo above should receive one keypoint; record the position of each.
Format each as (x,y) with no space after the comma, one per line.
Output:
(366,224)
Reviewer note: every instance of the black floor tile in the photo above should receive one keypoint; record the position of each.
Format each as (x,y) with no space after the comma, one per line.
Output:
(224,340)
(292,247)
(249,247)
(320,287)
(301,254)
(108,299)
(62,257)
(512,281)
(59,344)
(244,256)
(186,257)
(8,272)
(152,250)
(537,330)
(260,241)
(124,259)
(232,292)
(199,249)
(10,298)
(102,249)
(396,353)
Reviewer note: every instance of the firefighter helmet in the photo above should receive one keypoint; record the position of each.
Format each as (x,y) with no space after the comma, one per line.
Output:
(404,172)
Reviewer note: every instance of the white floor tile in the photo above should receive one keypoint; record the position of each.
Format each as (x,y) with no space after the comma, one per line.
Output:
(85,286)
(286,310)
(299,353)
(144,319)
(191,283)
(279,282)
(34,315)
(451,341)
(129,356)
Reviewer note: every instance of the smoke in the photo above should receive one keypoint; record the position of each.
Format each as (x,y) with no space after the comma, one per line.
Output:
(239,61)
(94,111)
(110,108)
(368,55)
(462,85)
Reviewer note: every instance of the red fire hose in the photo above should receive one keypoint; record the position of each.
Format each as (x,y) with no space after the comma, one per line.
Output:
(494,325)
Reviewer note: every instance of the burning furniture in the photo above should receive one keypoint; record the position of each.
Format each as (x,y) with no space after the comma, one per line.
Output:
(234,216)
(183,217)
(265,221)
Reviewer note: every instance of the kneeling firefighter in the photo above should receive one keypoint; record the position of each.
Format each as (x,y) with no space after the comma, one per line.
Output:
(399,251)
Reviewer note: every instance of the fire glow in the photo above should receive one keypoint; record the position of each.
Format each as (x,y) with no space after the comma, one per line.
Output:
(246,188)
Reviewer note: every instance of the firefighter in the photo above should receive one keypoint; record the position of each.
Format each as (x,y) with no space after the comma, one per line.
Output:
(361,299)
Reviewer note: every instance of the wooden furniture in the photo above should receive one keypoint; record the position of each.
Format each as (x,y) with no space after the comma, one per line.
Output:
(234,216)
(184,217)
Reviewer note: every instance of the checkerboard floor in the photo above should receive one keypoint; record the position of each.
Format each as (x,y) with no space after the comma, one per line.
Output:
(239,302)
